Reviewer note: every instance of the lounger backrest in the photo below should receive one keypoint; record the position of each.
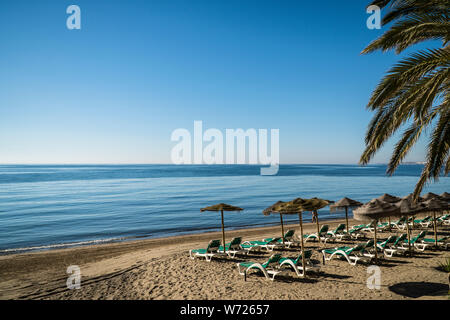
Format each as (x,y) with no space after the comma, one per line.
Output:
(213,246)
(369,244)
(340,227)
(358,247)
(289,234)
(324,229)
(308,254)
(235,243)
(273,260)
(274,240)
(389,240)
(400,238)
(421,235)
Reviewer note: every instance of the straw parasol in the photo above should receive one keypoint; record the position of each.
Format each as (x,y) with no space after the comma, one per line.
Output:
(435,204)
(408,207)
(313,204)
(430,195)
(271,209)
(390,199)
(373,211)
(445,196)
(345,203)
(222,207)
(292,208)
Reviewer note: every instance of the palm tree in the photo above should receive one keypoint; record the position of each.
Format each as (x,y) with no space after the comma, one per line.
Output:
(415,91)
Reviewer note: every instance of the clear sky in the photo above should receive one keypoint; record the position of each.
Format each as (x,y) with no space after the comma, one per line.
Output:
(114,91)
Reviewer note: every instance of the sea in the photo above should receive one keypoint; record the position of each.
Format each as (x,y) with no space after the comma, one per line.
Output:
(45,207)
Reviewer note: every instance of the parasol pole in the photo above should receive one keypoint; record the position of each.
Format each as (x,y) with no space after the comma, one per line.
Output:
(346,217)
(375,243)
(223,232)
(301,241)
(435,229)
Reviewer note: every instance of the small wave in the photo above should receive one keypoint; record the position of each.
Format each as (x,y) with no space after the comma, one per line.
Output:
(61,245)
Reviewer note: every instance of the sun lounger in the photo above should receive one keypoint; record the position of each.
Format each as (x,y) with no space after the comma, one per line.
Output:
(268,245)
(425,222)
(338,233)
(322,234)
(445,219)
(270,268)
(351,254)
(288,239)
(210,251)
(356,231)
(400,223)
(416,242)
(232,248)
(443,242)
(384,246)
(296,263)
(391,248)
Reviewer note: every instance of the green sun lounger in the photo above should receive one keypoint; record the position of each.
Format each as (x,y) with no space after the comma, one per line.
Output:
(351,254)
(233,247)
(322,234)
(416,242)
(288,239)
(384,246)
(425,222)
(270,268)
(296,263)
(338,233)
(443,242)
(210,251)
(268,245)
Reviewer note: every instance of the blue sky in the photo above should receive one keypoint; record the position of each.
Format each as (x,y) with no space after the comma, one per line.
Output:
(114,91)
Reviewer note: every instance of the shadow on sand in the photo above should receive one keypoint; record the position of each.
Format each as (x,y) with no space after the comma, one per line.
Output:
(419,289)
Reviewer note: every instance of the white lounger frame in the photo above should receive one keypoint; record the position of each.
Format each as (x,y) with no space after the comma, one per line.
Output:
(268,273)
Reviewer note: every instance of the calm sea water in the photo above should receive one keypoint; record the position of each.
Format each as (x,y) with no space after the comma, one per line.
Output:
(48,206)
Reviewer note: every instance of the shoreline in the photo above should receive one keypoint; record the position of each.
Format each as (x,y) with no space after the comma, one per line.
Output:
(108,241)
(105,269)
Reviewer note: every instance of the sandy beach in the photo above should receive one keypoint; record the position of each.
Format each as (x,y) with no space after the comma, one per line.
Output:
(162,269)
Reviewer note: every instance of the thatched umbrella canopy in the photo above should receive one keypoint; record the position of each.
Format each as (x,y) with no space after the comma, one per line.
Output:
(275,209)
(345,203)
(408,207)
(313,204)
(293,208)
(432,205)
(430,195)
(445,196)
(222,207)
(388,198)
(373,211)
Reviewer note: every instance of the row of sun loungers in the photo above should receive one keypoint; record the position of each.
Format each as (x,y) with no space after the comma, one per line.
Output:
(393,245)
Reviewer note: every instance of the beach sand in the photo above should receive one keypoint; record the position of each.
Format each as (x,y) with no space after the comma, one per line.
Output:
(162,269)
